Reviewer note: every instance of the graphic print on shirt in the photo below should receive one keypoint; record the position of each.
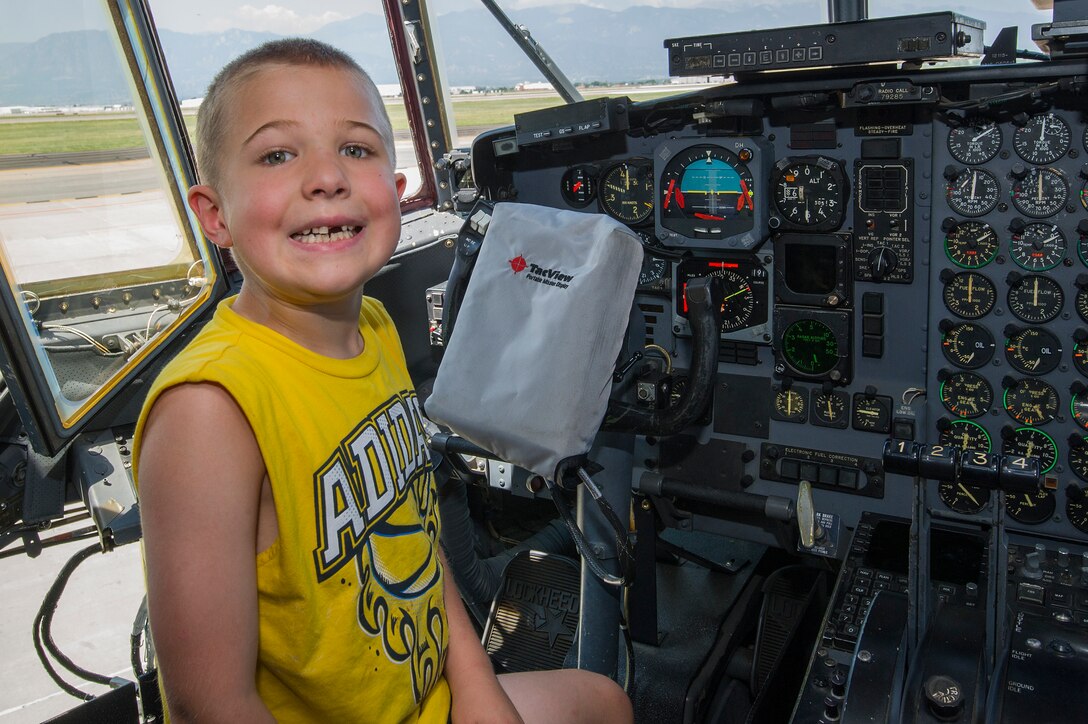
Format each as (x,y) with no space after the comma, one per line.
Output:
(377,506)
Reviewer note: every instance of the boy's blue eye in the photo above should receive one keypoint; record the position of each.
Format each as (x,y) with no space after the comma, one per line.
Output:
(355,151)
(275,158)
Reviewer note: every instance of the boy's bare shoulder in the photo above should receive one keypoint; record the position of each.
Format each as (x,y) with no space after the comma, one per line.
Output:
(198,413)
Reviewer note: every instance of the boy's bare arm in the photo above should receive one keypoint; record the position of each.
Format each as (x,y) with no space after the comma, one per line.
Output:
(200,476)
(477,695)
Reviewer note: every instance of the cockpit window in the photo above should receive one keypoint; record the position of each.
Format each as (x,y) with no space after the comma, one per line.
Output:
(99,252)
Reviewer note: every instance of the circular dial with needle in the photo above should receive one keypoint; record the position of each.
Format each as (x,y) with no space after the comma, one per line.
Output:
(969,295)
(707,190)
(971,244)
(968,345)
(1040,192)
(1038,247)
(790,405)
(1032,350)
(810,192)
(975,143)
(627,191)
(1080,303)
(966,435)
(972,192)
(829,409)
(1078,456)
(1030,508)
(962,498)
(579,185)
(1043,139)
(1078,406)
(738,302)
(872,413)
(966,394)
(1031,401)
(1029,442)
(1035,298)
(1076,507)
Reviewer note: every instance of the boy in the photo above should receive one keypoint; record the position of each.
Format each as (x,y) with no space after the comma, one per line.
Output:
(289,515)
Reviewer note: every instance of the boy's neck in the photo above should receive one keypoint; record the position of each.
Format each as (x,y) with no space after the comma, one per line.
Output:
(331,330)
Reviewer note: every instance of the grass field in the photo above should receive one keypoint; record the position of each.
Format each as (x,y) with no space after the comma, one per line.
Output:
(71,134)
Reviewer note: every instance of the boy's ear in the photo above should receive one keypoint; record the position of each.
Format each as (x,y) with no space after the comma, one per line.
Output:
(402,182)
(205,204)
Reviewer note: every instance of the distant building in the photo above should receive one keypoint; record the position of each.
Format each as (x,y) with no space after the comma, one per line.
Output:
(389,90)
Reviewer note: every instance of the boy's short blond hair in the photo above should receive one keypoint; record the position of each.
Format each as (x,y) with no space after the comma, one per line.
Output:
(215,109)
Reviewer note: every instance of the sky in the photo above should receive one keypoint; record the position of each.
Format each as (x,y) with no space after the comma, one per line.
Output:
(31,19)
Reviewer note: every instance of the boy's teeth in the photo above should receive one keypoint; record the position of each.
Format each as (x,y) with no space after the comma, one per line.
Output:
(319,234)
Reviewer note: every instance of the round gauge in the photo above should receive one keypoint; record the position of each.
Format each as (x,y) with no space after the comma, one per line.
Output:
(829,409)
(1084,203)
(967,345)
(1080,356)
(1040,246)
(809,346)
(1030,508)
(1078,408)
(1076,507)
(810,192)
(975,143)
(966,435)
(1031,402)
(1081,304)
(654,272)
(973,192)
(963,498)
(1078,457)
(579,185)
(790,405)
(971,244)
(1035,299)
(872,414)
(1029,442)
(739,301)
(966,394)
(627,191)
(707,190)
(1041,192)
(969,295)
(1043,139)
(1033,351)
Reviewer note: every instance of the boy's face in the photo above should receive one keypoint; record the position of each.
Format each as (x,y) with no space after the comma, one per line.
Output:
(308,200)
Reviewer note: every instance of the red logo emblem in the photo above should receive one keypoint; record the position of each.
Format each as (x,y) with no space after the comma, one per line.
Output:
(518,263)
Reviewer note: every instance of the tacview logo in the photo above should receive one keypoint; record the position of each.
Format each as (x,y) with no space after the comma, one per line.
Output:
(541,275)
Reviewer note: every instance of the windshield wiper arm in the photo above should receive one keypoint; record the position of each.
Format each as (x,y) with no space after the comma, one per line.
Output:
(535,53)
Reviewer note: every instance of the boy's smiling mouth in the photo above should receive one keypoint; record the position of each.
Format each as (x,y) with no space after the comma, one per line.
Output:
(325,234)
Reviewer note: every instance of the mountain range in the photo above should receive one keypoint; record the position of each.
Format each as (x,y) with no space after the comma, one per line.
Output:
(588,44)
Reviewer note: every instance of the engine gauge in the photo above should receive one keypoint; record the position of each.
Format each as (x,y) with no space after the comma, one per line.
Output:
(1031,402)
(1081,304)
(579,185)
(707,192)
(1035,299)
(975,143)
(790,405)
(1043,139)
(1078,457)
(969,294)
(871,413)
(654,273)
(1030,442)
(1080,354)
(962,498)
(1078,408)
(1033,351)
(627,191)
(973,192)
(1038,247)
(1040,192)
(966,435)
(966,394)
(971,244)
(810,192)
(968,345)
(810,347)
(1030,508)
(829,409)
(1076,507)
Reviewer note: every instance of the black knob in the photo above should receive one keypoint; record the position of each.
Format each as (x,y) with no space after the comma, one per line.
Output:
(831,708)
(1018,171)
(882,261)
(1017,226)
(944,696)
(951,172)
(1082,227)
(949,224)
(838,684)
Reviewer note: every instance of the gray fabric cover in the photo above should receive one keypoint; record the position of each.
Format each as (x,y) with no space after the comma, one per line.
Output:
(528,370)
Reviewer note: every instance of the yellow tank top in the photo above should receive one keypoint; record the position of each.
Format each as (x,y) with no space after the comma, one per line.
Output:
(352,617)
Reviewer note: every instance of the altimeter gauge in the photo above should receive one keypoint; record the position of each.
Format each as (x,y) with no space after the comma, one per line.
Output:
(810,192)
